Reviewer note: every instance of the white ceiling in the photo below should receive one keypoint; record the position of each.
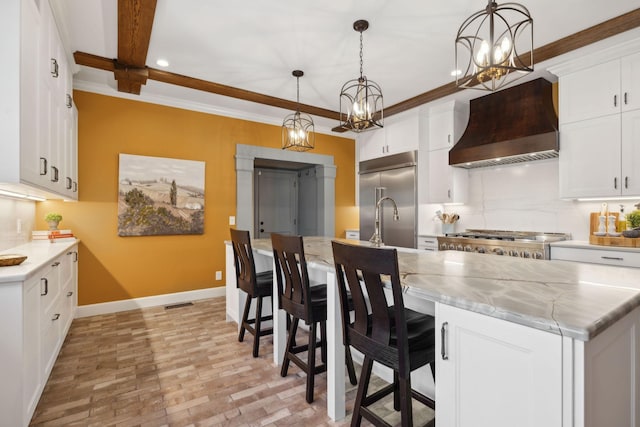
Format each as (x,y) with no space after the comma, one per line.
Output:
(256,44)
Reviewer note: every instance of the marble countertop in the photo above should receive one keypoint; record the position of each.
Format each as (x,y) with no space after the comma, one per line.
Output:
(567,298)
(584,244)
(38,254)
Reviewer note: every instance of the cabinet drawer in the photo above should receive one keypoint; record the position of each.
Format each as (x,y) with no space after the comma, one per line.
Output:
(49,285)
(352,234)
(596,256)
(428,243)
(50,333)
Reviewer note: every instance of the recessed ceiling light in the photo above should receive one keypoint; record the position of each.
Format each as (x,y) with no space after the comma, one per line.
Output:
(456,73)
(162,63)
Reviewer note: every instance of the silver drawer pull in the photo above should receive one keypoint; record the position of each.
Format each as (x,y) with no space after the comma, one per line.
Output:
(443,342)
(613,258)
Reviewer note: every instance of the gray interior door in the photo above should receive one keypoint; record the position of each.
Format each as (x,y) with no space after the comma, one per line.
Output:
(276,203)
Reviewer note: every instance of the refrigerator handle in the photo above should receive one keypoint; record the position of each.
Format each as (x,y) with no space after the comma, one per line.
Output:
(379,194)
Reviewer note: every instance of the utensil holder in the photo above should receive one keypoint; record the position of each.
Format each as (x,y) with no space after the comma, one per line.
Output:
(448,228)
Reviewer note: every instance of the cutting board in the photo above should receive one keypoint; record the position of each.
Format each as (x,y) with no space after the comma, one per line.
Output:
(607,240)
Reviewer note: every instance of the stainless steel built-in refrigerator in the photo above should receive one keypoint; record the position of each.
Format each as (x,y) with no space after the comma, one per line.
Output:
(392,176)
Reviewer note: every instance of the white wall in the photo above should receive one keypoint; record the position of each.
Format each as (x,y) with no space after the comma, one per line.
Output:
(522,197)
(12,211)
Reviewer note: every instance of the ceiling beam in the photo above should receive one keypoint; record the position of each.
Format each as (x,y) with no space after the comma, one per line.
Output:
(220,89)
(102,63)
(135,21)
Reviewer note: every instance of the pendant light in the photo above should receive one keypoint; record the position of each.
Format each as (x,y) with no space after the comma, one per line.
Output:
(494,47)
(297,128)
(361,99)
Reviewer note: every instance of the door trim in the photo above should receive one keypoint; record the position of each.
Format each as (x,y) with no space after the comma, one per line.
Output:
(325,173)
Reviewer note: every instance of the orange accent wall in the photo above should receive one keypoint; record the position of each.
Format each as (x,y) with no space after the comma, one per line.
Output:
(115,268)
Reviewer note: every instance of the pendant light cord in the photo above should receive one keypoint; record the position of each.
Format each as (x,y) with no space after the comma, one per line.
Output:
(361,56)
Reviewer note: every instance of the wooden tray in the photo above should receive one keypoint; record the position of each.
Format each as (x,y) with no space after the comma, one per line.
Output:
(11,259)
(608,240)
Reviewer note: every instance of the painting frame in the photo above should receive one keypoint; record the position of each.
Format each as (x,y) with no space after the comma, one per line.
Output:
(160,196)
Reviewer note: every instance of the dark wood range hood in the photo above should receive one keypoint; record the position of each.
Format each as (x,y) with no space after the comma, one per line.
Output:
(513,125)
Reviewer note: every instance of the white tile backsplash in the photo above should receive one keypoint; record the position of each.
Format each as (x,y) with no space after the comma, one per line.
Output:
(12,211)
(521,197)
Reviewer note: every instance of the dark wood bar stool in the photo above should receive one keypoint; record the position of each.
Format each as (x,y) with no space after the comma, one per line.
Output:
(392,335)
(256,285)
(302,302)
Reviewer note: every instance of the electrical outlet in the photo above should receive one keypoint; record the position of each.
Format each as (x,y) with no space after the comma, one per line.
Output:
(232,220)
(19,226)
(218,275)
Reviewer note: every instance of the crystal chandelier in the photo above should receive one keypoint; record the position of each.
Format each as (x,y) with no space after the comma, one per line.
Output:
(361,99)
(489,47)
(297,128)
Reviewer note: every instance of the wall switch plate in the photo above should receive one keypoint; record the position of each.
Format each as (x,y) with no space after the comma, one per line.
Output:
(218,275)
(232,220)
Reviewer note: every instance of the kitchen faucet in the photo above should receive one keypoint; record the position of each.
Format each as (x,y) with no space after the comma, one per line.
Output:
(376,239)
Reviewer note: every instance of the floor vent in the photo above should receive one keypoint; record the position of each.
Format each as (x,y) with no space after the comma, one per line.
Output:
(182,304)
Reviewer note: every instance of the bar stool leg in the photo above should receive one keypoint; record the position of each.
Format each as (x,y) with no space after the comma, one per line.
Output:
(311,361)
(245,318)
(256,337)
(289,348)
(365,376)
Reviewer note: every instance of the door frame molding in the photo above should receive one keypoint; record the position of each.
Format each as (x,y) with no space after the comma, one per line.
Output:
(325,174)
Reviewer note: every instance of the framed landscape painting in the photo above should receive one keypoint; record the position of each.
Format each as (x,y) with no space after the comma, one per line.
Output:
(160,196)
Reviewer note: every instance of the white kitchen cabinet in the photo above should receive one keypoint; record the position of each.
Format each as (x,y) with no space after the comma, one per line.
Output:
(600,129)
(32,375)
(372,144)
(599,156)
(630,158)
(35,316)
(495,373)
(589,93)
(400,134)
(69,280)
(36,145)
(492,372)
(446,184)
(607,88)
(447,123)
(589,164)
(428,243)
(597,255)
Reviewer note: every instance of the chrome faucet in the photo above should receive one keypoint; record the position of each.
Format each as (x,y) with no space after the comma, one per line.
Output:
(376,239)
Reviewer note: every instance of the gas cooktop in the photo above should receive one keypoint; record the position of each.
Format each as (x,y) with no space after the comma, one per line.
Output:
(525,244)
(511,235)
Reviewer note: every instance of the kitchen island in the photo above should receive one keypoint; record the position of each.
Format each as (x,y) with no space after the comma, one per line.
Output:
(521,341)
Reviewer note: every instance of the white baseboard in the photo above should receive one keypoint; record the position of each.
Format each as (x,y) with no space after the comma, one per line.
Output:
(156,300)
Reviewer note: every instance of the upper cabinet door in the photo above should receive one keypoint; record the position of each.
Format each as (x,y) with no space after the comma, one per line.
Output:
(372,144)
(441,130)
(590,93)
(631,153)
(630,72)
(590,158)
(402,133)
